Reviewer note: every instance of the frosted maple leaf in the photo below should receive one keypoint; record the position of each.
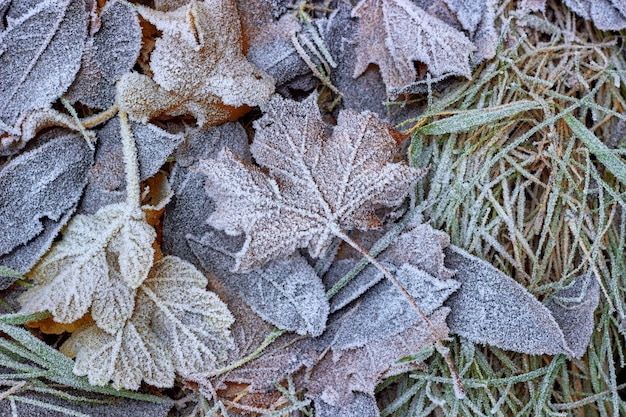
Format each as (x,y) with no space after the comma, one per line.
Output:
(317,187)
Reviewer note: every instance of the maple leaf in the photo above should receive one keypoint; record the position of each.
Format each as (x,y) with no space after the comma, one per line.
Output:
(177,326)
(394,33)
(198,66)
(317,186)
(99,263)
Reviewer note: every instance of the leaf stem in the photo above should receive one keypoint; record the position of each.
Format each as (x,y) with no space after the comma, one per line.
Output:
(130,161)
(79,124)
(458,385)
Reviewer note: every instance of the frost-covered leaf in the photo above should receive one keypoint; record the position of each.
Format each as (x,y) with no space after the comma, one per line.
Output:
(605,14)
(192,322)
(40,189)
(337,377)
(288,293)
(98,264)
(106,178)
(177,327)
(492,308)
(40,53)
(384,311)
(317,186)
(361,405)
(198,66)
(573,308)
(186,213)
(110,53)
(395,33)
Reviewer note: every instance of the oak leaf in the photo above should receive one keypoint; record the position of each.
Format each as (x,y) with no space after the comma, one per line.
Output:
(394,33)
(198,66)
(316,186)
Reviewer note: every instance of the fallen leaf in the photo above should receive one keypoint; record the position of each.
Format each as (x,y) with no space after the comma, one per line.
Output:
(395,33)
(98,264)
(490,307)
(605,14)
(317,186)
(177,326)
(40,190)
(198,67)
(40,53)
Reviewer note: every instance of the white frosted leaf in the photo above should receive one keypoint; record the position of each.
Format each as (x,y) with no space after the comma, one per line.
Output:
(395,33)
(605,14)
(192,322)
(41,54)
(490,307)
(96,252)
(357,285)
(384,311)
(573,309)
(39,188)
(288,294)
(316,186)
(198,66)
(127,357)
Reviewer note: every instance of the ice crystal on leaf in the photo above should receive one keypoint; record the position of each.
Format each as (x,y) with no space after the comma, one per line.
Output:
(99,263)
(177,326)
(394,33)
(198,66)
(317,186)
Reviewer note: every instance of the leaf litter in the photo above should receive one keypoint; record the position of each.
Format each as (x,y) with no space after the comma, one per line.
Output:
(314,325)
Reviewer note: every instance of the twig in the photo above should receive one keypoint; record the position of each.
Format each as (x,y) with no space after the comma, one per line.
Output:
(130,161)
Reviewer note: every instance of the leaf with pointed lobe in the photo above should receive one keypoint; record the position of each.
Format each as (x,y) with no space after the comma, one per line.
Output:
(41,50)
(317,186)
(395,33)
(90,267)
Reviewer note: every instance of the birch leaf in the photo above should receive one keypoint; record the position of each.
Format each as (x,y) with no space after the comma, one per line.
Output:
(317,186)
(99,262)
(177,327)
(41,53)
(395,33)
(198,65)
(40,188)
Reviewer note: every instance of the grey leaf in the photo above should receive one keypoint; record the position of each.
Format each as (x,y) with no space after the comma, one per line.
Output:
(362,405)
(41,54)
(355,288)
(186,213)
(605,14)
(492,308)
(573,308)
(41,184)
(107,178)
(384,311)
(288,294)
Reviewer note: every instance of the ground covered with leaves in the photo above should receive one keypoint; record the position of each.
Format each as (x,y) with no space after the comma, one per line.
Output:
(320,208)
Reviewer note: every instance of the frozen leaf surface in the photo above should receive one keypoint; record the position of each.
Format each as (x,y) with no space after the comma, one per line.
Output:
(198,66)
(492,308)
(395,33)
(317,186)
(341,374)
(361,405)
(288,293)
(605,14)
(573,308)
(178,326)
(110,53)
(99,263)
(40,55)
(40,187)
(384,311)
